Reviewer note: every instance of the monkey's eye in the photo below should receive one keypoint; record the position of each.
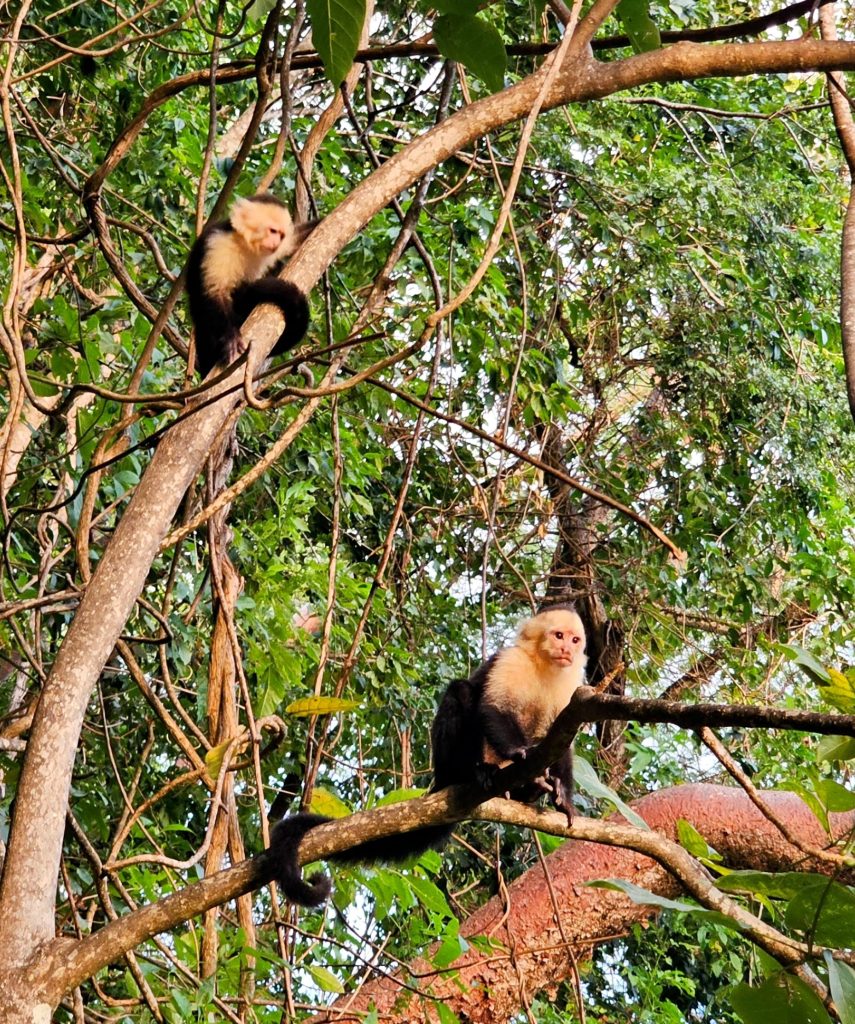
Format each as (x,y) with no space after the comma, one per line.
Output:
(576,639)
(559,635)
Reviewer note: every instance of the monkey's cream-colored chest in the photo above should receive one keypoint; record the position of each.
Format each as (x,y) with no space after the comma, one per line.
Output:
(535,698)
(228,263)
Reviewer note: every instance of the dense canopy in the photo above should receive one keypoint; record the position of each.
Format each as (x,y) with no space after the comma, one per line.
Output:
(583,328)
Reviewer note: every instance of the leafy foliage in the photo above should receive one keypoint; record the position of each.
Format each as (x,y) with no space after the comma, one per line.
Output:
(664,312)
(476,44)
(640,27)
(336,27)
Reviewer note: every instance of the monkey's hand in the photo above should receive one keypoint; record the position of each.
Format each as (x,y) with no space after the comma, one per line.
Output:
(543,782)
(233,346)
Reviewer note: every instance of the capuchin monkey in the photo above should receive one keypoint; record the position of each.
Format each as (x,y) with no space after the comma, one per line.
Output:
(230,272)
(493,718)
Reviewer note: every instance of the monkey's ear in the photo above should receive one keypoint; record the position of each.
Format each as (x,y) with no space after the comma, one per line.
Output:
(302,231)
(295,237)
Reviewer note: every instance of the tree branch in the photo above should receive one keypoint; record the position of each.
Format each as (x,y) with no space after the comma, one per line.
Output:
(841,109)
(586,705)
(451,805)
(483,986)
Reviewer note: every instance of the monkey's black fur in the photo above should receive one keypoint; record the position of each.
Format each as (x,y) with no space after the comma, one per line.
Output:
(465,726)
(217,319)
(285,837)
(217,323)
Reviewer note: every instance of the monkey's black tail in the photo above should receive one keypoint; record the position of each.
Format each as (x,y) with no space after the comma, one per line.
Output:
(284,843)
(396,848)
(285,840)
(284,294)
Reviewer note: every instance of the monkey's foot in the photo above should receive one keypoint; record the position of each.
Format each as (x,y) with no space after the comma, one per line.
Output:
(564,804)
(484,776)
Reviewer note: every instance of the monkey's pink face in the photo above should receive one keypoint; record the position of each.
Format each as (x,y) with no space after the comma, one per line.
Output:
(272,239)
(562,639)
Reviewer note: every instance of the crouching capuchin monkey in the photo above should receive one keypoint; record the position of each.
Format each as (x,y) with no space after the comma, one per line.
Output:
(230,272)
(494,717)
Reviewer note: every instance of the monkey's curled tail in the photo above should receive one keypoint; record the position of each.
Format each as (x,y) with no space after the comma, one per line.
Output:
(396,848)
(285,841)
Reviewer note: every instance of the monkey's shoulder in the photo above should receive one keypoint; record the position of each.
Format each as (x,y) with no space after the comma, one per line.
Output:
(513,674)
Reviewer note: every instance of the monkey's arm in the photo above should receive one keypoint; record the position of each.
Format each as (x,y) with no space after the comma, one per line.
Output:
(456,739)
(216,329)
(504,733)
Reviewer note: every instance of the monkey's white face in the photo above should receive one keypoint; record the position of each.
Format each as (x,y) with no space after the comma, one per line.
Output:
(561,637)
(264,227)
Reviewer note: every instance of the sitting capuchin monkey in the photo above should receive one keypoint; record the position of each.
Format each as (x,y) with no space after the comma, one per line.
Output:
(485,722)
(230,271)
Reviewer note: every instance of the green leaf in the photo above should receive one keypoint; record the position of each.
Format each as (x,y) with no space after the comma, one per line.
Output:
(430,896)
(642,30)
(327,803)
(783,999)
(446,1015)
(841,980)
(388,887)
(214,757)
(780,885)
(451,948)
(320,706)
(835,748)
(644,897)
(809,797)
(826,911)
(836,798)
(806,661)
(259,9)
(840,693)
(325,979)
(267,955)
(549,842)
(43,388)
(336,27)
(587,779)
(474,44)
(692,840)
(398,796)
